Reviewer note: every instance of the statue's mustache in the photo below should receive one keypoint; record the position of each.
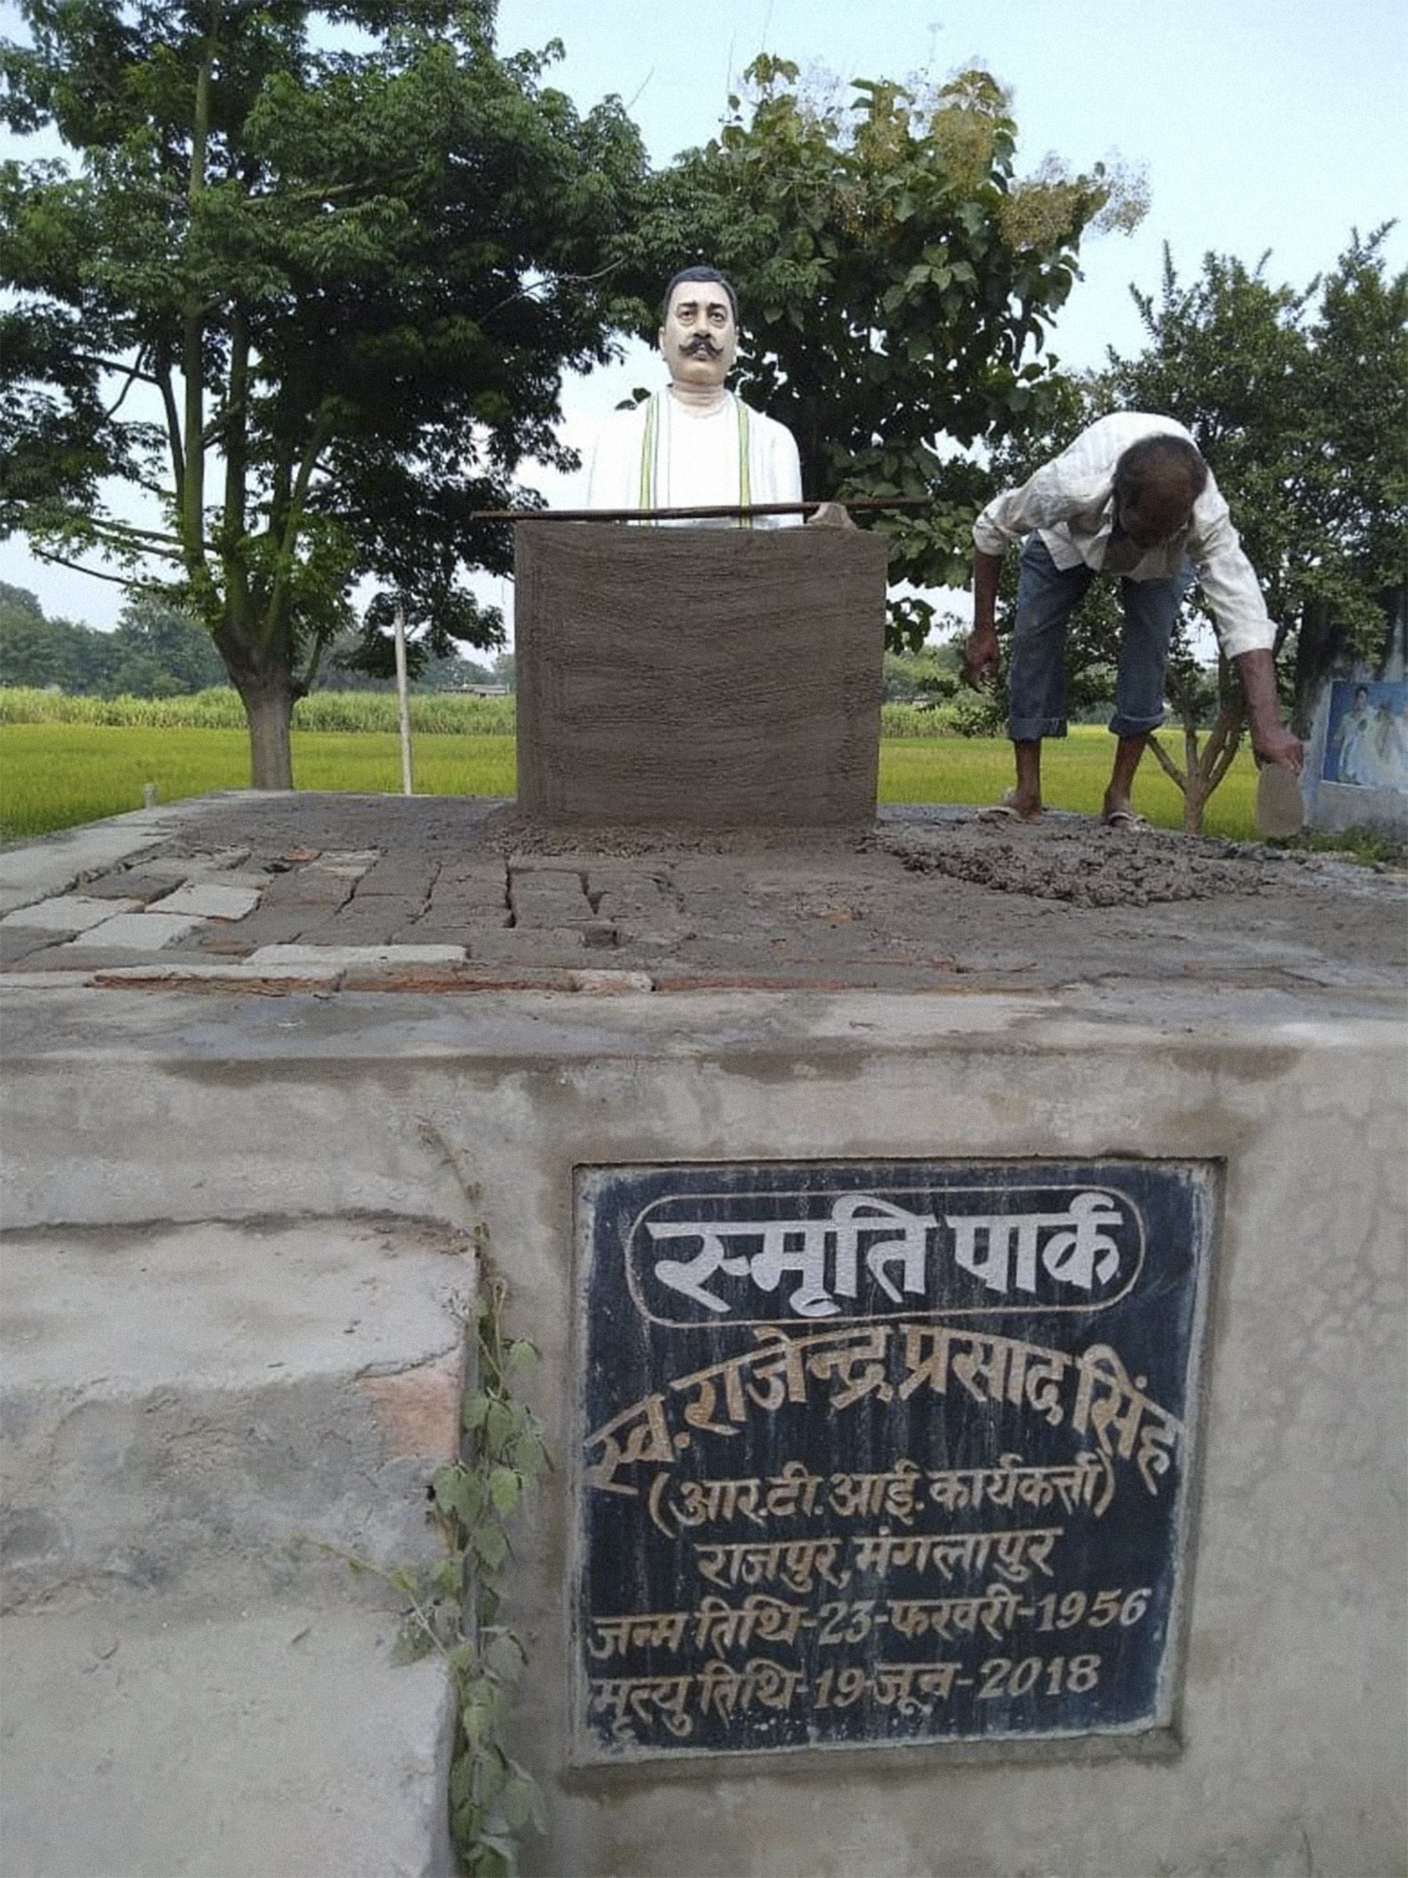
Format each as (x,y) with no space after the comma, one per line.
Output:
(701,342)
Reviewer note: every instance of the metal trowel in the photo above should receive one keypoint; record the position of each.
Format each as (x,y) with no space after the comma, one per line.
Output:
(1279,809)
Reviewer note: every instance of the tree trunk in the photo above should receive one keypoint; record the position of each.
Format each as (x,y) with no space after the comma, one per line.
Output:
(1191,781)
(1317,647)
(1194,801)
(270,714)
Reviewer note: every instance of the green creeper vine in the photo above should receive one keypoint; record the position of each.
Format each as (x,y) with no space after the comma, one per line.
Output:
(455,1603)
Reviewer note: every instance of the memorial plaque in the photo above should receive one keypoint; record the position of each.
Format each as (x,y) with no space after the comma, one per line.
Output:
(883,1454)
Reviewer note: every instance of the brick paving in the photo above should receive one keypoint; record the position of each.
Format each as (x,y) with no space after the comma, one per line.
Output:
(445,895)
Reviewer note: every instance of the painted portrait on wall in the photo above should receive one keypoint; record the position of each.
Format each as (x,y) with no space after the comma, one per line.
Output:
(1366,742)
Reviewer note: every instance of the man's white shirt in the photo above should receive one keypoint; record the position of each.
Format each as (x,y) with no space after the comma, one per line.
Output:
(1069,502)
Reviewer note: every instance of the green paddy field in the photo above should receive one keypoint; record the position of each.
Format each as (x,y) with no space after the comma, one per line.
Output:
(69,760)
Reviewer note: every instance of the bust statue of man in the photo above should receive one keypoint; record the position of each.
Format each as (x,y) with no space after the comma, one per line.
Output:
(694,444)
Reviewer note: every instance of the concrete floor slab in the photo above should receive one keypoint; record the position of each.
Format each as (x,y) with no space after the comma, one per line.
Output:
(139,932)
(220,1744)
(342,958)
(207,900)
(295,1393)
(68,912)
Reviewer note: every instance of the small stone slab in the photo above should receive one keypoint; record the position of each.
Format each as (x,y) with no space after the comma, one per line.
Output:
(404,876)
(69,912)
(137,932)
(18,978)
(349,958)
(206,901)
(17,942)
(612,983)
(127,884)
(360,923)
(181,867)
(237,974)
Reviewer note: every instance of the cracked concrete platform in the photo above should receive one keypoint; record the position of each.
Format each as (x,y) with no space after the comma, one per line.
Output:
(461,895)
(481,1008)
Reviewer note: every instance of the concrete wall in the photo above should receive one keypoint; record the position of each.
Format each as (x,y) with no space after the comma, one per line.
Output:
(688,676)
(1291,1722)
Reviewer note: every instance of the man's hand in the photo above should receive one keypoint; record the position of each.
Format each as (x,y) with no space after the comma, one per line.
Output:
(980,657)
(1273,743)
(980,653)
(831,515)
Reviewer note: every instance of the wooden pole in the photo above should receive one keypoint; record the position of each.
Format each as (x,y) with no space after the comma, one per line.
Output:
(722,512)
(407,788)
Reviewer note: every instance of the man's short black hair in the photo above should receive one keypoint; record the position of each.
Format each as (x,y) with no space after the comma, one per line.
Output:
(711,274)
(1159,460)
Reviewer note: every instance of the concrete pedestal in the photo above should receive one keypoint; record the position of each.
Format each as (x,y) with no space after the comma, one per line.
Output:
(698,677)
(239,1208)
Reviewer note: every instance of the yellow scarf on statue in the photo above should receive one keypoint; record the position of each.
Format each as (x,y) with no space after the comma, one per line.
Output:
(650,455)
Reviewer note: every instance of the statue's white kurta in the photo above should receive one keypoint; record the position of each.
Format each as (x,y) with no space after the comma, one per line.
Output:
(661,456)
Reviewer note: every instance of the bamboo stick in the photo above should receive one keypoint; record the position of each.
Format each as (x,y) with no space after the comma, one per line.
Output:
(720,512)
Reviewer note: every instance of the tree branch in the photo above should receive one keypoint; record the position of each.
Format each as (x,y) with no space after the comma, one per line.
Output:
(235,420)
(527,293)
(1167,764)
(1226,760)
(292,521)
(94,573)
(193,323)
(127,371)
(1228,724)
(130,532)
(173,437)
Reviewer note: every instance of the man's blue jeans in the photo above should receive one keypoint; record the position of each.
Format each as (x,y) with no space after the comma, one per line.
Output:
(1047,596)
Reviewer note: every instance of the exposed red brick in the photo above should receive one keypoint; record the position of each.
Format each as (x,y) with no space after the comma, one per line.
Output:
(418,1410)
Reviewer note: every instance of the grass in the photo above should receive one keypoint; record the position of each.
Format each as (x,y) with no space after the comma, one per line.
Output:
(55,775)
(1075,770)
(220,709)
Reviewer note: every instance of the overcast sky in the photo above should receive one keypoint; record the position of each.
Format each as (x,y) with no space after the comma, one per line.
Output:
(1259,124)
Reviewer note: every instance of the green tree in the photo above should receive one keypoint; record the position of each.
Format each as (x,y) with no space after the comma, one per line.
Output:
(50,653)
(31,652)
(162,653)
(897,280)
(1298,398)
(348,277)
(344,668)
(924,676)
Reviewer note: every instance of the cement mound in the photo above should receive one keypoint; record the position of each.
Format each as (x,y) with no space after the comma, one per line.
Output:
(1086,866)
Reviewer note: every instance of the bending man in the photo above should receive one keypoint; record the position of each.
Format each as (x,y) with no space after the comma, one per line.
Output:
(694,444)
(1131,497)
